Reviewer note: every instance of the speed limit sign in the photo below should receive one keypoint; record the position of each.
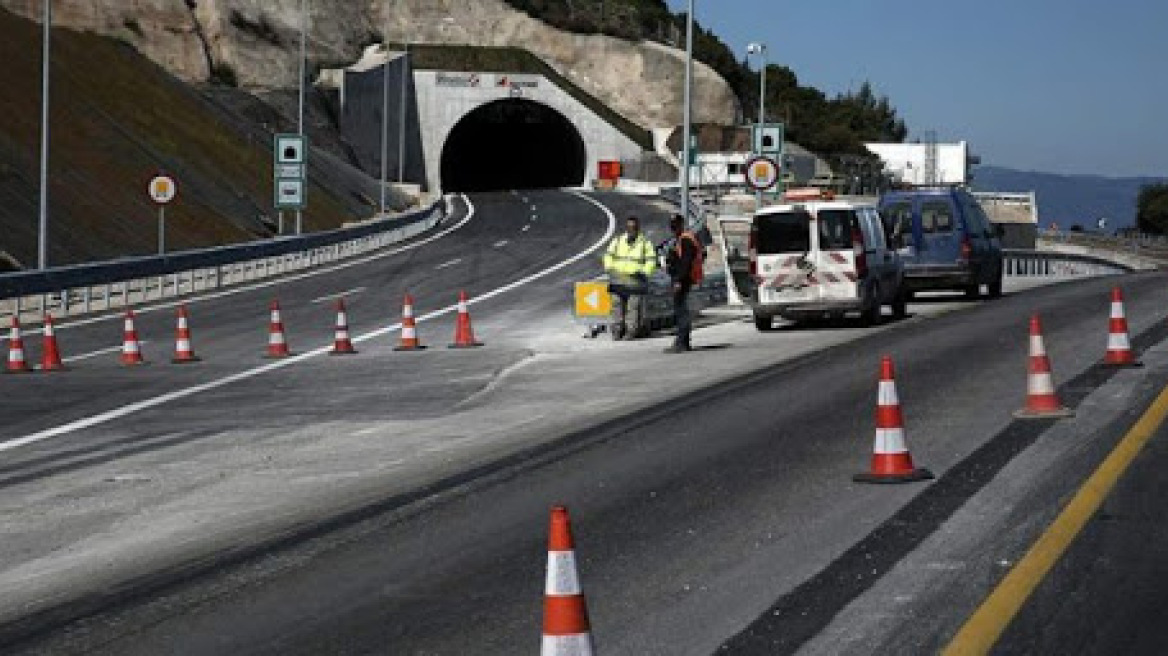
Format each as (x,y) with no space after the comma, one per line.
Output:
(762,173)
(163,189)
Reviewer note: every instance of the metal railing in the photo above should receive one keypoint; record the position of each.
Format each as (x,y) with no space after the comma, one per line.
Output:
(1023,263)
(86,288)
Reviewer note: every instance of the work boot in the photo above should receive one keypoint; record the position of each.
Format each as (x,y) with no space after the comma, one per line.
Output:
(676,348)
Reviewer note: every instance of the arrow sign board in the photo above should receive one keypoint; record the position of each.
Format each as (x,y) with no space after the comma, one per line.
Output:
(162,189)
(593,301)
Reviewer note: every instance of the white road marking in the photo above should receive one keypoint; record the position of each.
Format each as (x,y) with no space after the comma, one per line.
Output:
(501,244)
(146,404)
(447,265)
(333,297)
(94,354)
(191,300)
(526,228)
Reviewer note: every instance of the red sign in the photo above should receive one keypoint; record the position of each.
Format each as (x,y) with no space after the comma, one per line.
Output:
(610,170)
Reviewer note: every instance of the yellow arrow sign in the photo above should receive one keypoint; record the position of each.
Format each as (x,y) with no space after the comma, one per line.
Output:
(592,300)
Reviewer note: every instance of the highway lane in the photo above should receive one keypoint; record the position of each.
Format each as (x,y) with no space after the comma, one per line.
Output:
(691,521)
(230,331)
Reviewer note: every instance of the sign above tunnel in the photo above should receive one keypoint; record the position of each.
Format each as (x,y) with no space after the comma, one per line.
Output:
(290,158)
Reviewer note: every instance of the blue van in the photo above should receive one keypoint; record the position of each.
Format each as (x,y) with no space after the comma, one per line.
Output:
(945,239)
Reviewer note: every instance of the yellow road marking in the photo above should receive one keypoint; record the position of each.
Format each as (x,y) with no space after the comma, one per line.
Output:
(983,629)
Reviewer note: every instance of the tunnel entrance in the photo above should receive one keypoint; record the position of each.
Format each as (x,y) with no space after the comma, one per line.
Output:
(513,144)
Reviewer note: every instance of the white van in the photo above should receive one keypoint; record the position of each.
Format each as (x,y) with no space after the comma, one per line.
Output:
(823,259)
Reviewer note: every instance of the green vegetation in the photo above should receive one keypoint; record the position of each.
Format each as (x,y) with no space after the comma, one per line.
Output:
(517,60)
(1152,209)
(830,126)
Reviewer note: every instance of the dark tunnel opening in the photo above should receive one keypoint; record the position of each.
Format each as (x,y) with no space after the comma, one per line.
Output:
(513,144)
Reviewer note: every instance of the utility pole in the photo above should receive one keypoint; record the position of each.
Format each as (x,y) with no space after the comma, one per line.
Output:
(688,112)
(300,111)
(43,231)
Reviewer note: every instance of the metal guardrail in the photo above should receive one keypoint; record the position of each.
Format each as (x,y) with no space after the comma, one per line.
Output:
(1024,263)
(101,286)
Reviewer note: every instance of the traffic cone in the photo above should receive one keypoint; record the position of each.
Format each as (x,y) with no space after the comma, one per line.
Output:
(131,347)
(566,631)
(184,353)
(463,333)
(409,331)
(1119,350)
(17,364)
(277,340)
(50,353)
(1042,401)
(342,344)
(891,461)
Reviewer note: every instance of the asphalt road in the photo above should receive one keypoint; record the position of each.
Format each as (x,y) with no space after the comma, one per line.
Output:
(705,523)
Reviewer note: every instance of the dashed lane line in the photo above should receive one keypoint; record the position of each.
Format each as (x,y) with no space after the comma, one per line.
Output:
(147,404)
(447,265)
(333,297)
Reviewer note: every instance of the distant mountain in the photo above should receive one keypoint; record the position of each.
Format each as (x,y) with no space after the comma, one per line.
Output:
(1069,199)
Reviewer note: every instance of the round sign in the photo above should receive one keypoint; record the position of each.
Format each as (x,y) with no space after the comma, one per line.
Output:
(163,189)
(762,173)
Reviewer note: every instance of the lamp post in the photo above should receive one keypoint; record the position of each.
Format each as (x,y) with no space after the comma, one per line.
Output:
(688,111)
(43,230)
(760,49)
(300,109)
(384,127)
(401,123)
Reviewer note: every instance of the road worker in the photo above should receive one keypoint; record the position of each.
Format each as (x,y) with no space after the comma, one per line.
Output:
(686,265)
(629,261)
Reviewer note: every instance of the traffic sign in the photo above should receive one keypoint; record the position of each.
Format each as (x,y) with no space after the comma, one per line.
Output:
(290,159)
(593,300)
(163,189)
(762,173)
(768,139)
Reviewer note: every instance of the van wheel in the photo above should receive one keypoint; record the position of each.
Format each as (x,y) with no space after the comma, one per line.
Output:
(870,315)
(900,304)
(764,324)
(995,287)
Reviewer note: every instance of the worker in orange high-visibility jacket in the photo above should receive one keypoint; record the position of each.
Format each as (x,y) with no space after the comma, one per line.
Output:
(629,261)
(686,265)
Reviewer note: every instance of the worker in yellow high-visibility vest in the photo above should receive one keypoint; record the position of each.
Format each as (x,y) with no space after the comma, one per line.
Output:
(629,261)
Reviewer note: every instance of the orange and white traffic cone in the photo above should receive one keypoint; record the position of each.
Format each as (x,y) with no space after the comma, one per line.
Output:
(17,363)
(342,343)
(131,347)
(1119,350)
(891,460)
(463,332)
(566,631)
(277,340)
(1042,401)
(409,331)
(184,352)
(50,352)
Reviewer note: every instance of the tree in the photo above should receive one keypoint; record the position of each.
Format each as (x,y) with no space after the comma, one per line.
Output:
(1152,209)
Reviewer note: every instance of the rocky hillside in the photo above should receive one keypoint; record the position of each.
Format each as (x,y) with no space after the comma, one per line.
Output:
(117,119)
(254,43)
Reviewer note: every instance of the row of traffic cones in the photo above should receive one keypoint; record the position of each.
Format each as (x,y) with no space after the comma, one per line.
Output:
(131,352)
(566,627)
(891,461)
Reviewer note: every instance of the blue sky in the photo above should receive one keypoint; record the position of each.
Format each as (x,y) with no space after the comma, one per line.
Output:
(1064,86)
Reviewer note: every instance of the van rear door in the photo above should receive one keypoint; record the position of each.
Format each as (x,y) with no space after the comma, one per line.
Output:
(783,245)
(841,253)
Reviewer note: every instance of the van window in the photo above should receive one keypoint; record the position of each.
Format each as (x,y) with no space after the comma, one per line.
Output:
(835,229)
(878,238)
(785,232)
(898,218)
(936,216)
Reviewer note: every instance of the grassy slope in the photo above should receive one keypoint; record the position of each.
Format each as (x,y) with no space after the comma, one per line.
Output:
(118,118)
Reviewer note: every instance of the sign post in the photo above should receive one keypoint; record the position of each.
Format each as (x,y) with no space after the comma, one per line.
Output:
(162,190)
(291,179)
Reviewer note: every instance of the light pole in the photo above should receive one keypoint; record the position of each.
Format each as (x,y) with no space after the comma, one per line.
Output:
(401,124)
(384,127)
(760,49)
(43,231)
(688,111)
(300,110)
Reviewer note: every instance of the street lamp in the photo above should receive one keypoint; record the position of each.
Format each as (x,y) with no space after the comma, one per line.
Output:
(43,231)
(688,111)
(761,50)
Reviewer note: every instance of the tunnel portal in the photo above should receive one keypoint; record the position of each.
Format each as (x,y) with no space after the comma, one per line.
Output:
(513,144)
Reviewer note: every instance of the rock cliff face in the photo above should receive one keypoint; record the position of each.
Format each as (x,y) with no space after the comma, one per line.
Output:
(255,43)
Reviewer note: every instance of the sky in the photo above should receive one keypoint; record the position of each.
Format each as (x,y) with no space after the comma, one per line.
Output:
(1060,86)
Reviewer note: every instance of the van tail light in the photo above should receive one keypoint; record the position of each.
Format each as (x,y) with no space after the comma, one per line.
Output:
(858,251)
(966,249)
(752,251)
